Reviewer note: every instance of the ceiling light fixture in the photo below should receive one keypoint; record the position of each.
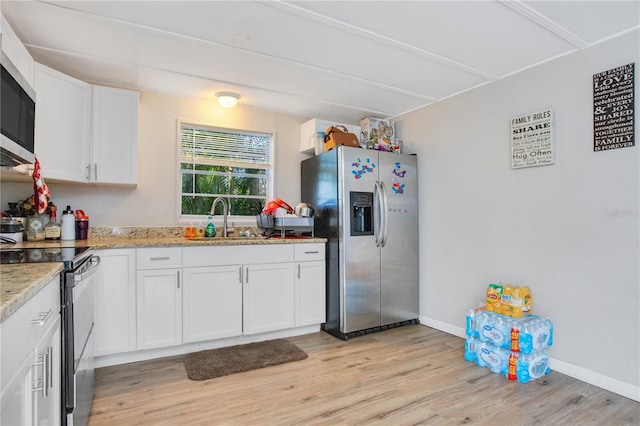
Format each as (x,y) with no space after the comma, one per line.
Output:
(227,99)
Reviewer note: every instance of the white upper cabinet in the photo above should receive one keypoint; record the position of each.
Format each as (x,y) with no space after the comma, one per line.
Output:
(15,51)
(85,133)
(312,126)
(114,148)
(63,124)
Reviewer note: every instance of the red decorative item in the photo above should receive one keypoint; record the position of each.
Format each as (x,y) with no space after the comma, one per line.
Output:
(42,193)
(284,205)
(274,205)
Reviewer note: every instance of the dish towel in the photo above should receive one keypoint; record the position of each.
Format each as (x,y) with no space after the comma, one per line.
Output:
(42,193)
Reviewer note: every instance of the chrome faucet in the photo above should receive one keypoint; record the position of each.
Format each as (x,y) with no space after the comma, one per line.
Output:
(225,212)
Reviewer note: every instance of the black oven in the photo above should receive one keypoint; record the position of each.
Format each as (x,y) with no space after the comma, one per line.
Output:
(77,301)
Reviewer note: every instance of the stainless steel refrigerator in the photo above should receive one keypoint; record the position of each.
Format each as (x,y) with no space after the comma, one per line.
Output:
(366,205)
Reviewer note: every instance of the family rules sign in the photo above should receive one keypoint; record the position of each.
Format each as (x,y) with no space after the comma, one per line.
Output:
(532,139)
(614,108)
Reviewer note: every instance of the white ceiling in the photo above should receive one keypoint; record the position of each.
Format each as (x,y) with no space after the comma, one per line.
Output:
(337,60)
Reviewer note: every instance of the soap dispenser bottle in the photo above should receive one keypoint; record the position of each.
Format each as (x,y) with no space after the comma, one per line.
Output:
(210,230)
(68,231)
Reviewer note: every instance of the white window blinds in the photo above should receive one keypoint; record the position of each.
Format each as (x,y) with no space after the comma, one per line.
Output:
(202,145)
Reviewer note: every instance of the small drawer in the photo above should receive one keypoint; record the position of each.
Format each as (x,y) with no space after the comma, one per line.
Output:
(158,258)
(309,252)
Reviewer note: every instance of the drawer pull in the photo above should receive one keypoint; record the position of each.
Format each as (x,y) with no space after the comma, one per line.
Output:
(311,252)
(42,318)
(160,258)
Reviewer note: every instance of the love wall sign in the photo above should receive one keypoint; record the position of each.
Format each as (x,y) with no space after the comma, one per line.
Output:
(614,108)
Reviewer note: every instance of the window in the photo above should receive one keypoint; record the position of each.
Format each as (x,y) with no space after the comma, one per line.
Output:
(232,164)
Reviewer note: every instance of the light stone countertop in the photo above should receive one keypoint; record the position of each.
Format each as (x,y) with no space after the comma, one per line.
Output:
(20,282)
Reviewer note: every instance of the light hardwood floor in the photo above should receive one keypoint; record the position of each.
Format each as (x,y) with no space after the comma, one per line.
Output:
(403,376)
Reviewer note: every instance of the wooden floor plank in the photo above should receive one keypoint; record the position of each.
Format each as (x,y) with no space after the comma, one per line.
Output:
(404,376)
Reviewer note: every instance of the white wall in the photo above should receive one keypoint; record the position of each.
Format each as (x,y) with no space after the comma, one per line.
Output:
(568,230)
(154,201)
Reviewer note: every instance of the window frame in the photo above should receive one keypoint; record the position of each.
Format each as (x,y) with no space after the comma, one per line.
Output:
(237,220)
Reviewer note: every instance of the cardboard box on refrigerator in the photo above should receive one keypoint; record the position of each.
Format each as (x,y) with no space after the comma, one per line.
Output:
(373,128)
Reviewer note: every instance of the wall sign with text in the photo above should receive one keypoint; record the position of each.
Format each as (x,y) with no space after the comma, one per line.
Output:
(532,139)
(613,108)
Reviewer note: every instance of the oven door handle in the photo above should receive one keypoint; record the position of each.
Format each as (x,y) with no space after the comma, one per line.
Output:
(90,268)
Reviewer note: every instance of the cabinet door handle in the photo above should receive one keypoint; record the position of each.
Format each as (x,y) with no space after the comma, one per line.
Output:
(95,171)
(42,318)
(247,276)
(160,258)
(311,252)
(178,277)
(43,384)
(240,274)
(89,172)
(298,271)
(50,375)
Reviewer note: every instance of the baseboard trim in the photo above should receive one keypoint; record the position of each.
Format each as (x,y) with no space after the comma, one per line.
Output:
(613,385)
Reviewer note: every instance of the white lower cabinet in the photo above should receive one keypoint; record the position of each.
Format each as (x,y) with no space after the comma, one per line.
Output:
(310,293)
(47,377)
(17,406)
(268,297)
(159,300)
(115,308)
(310,284)
(30,361)
(158,297)
(151,298)
(212,303)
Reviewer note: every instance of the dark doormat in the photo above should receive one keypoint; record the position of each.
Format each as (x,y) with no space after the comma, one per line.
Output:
(236,359)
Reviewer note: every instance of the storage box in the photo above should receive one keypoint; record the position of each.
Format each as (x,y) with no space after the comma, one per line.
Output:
(373,128)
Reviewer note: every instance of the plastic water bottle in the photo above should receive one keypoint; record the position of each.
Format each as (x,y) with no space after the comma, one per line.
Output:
(68,231)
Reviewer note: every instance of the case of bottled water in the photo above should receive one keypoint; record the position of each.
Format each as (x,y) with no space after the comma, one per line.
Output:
(513,365)
(525,334)
(514,347)
(487,355)
(527,367)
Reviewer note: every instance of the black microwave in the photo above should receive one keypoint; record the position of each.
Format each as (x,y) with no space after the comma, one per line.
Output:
(17,117)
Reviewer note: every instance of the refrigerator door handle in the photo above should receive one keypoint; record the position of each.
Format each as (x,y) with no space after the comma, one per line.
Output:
(377,213)
(384,215)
